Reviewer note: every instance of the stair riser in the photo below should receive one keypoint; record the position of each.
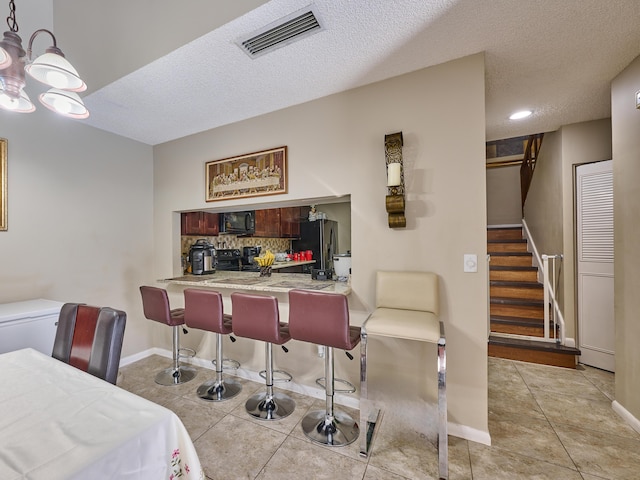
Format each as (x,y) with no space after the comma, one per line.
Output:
(533,356)
(506,247)
(517,329)
(513,261)
(517,311)
(513,276)
(507,234)
(517,292)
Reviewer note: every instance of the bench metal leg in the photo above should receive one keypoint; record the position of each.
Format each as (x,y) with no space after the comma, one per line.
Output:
(443,437)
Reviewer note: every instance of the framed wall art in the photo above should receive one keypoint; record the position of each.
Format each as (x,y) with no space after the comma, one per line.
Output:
(250,175)
(3,184)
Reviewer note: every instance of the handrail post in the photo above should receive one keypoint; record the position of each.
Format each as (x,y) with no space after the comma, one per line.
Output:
(545,280)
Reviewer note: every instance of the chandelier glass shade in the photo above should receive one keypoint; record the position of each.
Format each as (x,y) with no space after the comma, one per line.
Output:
(50,68)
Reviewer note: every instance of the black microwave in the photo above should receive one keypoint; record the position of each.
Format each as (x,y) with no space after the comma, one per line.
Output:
(238,223)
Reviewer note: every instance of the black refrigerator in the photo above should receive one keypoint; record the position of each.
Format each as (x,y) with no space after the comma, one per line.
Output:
(321,237)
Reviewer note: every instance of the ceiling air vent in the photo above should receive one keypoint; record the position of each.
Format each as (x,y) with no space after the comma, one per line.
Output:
(282,32)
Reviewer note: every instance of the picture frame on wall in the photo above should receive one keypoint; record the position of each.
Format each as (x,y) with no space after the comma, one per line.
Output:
(250,175)
(3,184)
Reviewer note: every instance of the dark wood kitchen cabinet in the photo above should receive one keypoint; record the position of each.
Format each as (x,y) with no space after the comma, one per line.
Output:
(278,223)
(290,222)
(267,223)
(200,223)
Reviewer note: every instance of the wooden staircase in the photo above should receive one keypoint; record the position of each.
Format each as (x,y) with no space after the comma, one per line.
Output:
(517,303)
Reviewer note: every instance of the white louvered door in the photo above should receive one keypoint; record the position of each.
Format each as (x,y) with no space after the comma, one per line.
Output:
(596,327)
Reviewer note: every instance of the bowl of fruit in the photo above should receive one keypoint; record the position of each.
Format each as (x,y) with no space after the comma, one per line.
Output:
(265,261)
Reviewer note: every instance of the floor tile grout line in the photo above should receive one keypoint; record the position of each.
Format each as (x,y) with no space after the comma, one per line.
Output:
(548,421)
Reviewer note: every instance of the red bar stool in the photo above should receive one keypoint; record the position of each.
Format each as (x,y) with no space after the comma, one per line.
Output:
(203,309)
(323,319)
(155,303)
(258,317)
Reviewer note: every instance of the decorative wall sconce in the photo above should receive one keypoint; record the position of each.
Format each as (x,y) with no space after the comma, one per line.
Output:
(395,180)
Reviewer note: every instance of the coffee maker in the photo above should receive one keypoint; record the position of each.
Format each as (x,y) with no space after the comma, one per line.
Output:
(202,257)
(248,254)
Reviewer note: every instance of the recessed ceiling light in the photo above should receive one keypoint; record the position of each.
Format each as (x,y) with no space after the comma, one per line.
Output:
(520,114)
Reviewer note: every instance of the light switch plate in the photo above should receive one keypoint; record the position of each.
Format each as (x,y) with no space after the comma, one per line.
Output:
(470,263)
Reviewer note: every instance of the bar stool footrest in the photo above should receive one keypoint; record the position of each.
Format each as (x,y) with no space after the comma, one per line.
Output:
(227,364)
(278,376)
(190,352)
(350,386)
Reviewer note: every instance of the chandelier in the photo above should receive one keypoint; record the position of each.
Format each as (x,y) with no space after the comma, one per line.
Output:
(50,68)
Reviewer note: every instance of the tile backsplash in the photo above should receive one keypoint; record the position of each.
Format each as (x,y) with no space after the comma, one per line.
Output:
(233,241)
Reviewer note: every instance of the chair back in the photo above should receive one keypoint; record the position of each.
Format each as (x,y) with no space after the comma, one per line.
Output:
(90,339)
(408,291)
(257,317)
(320,318)
(155,304)
(203,309)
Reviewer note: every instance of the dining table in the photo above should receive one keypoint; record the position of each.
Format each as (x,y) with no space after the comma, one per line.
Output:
(58,422)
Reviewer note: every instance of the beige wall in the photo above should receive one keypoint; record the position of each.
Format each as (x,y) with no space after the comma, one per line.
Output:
(553,228)
(503,196)
(585,142)
(626,175)
(336,147)
(80,217)
(541,210)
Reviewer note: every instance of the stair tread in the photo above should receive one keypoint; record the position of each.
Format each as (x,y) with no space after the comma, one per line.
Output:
(510,254)
(518,321)
(532,345)
(507,240)
(516,301)
(515,227)
(505,268)
(513,283)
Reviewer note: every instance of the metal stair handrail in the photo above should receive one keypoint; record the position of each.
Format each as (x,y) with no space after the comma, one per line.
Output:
(551,308)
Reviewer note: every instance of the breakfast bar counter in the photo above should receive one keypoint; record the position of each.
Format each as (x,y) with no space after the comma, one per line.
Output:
(276,283)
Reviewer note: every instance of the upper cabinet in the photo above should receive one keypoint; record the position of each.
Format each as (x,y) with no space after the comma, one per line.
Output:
(278,222)
(290,222)
(200,223)
(271,222)
(267,223)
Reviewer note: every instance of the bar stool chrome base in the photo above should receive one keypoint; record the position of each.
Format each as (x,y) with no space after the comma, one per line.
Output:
(176,376)
(336,431)
(274,407)
(217,391)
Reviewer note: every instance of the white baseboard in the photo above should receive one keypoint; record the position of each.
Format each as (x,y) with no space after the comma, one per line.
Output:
(570,342)
(468,433)
(140,355)
(626,416)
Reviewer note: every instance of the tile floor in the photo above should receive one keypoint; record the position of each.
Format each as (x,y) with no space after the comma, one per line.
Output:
(545,423)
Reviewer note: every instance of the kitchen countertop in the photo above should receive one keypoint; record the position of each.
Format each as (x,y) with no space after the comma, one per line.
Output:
(279,282)
(292,263)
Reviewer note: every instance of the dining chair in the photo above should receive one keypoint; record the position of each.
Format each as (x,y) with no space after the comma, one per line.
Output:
(90,339)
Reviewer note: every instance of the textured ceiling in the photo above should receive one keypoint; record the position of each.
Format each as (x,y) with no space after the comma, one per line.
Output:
(555,57)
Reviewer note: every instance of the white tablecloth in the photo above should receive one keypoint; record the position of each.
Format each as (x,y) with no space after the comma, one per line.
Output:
(57,422)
